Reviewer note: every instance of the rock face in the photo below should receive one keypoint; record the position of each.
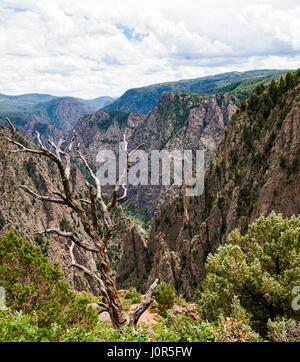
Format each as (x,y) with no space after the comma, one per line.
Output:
(105,130)
(255,170)
(134,265)
(179,121)
(62,113)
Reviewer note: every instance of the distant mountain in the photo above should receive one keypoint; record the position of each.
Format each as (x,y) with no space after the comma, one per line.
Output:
(23,102)
(50,115)
(142,100)
(29,102)
(99,102)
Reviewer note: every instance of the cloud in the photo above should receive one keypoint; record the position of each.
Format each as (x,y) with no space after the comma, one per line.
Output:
(95,48)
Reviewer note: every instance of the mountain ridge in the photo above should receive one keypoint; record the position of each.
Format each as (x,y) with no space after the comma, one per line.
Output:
(143,99)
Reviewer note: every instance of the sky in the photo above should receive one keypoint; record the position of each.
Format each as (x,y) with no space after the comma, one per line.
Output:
(95,48)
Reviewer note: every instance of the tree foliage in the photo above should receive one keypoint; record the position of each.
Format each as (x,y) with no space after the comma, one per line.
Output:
(257,271)
(165,295)
(33,286)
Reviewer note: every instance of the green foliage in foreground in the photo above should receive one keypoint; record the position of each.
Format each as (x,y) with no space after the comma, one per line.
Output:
(35,287)
(251,277)
(246,295)
(19,327)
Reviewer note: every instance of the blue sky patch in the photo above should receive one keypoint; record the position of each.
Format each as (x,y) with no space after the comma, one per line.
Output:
(130,34)
(17,10)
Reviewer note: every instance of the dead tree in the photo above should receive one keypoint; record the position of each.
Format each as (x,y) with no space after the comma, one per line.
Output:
(95,243)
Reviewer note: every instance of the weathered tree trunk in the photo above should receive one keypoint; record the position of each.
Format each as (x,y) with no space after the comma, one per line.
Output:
(98,244)
(112,300)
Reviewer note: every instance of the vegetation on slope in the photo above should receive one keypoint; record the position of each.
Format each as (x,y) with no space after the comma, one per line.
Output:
(142,100)
(246,295)
(255,170)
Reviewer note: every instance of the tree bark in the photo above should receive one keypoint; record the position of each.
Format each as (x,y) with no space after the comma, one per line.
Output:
(147,299)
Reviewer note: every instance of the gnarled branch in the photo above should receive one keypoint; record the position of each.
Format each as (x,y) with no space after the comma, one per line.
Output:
(67,155)
(13,128)
(85,270)
(115,198)
(95,178)
(71,236)
(106,280)
(93,206)
(41,197)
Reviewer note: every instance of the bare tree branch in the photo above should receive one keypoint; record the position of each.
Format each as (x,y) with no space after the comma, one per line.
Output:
(93,207)
(62,196)
(13,129)
(67,155)
(147,299)
(22,148)
(85,270)
(40,197)
(57,146)
(124,195)
(85,201)
(95,178)
(115,198)
(71,236)
(106,279)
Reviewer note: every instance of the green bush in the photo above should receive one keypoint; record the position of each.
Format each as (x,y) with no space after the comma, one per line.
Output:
(20,327)
(133,295)
(165,295)
(257,271)
(187,329)
(34,286)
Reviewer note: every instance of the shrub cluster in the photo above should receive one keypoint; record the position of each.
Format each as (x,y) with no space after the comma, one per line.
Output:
(35,287)
(251,278)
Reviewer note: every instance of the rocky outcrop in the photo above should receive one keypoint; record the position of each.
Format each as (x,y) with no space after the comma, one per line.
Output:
(105,130)
(255,170)
(179,121)
(134,266)
(62,113)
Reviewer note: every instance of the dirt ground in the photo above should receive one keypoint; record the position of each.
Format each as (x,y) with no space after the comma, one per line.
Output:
(147,317)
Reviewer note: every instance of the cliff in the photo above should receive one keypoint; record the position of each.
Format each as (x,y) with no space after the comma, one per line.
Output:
(179,121)
(255,170)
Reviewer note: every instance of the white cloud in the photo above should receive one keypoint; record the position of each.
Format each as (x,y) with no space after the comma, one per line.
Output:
(75,48)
